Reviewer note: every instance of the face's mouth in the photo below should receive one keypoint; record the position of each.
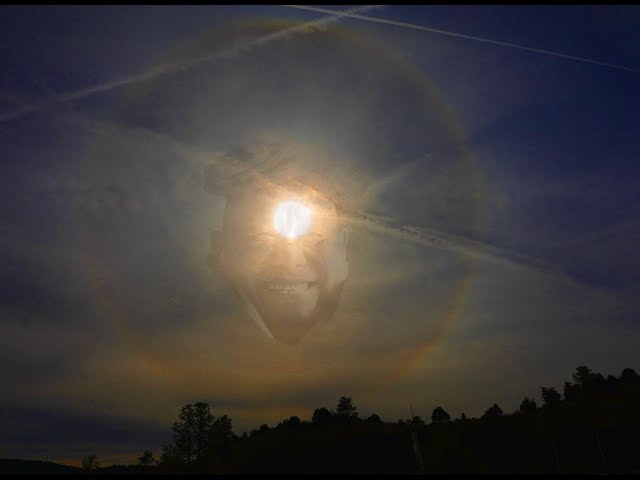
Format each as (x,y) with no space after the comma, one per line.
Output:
(287,287)
(286,302)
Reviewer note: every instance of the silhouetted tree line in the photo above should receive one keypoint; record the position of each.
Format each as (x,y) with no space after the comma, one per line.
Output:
(592,426)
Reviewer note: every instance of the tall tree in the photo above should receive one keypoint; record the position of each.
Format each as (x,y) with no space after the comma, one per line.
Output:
(582,374)
(321,415)
(292,421)
(418,421)
(629,376)
(346,408)
(191,431)
(550,419)
(550,396)
(204,421)
(146,459)
(221,427)
(494,411)
(528,405)
(220,438)
(440,415)
(170,456)
(374,418)
(90,462)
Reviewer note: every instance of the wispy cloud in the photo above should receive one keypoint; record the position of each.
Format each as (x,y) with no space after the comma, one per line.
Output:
(169,68)
(258,171)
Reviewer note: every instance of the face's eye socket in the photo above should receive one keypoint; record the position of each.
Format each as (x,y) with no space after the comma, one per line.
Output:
(313,244)
(261,239)
(313,238)
(263,236)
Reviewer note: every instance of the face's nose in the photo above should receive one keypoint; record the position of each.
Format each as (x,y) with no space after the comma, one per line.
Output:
(288,257)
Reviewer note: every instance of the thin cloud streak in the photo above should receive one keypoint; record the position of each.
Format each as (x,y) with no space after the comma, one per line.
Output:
(182,66)
(428,237)
(469,37)
(258,174)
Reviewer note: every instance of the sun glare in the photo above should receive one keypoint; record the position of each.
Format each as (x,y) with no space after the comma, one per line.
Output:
(292,219)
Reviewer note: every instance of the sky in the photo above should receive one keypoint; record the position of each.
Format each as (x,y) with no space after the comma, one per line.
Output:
(500,185)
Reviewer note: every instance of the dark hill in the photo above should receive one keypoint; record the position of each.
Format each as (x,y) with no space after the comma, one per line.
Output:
(11,466)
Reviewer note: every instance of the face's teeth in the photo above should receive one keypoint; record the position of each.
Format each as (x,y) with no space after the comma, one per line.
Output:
(288,286)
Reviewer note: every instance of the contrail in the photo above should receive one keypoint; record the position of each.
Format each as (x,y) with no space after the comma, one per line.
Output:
(431,238)
(470,37)
(258,173)
(182,66)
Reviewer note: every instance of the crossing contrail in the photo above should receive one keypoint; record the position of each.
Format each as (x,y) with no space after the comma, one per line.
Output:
(167,68)
(258,173)
(468,37)
(431,238)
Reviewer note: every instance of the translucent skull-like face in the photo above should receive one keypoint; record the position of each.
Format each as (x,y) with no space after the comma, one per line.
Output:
(286,257)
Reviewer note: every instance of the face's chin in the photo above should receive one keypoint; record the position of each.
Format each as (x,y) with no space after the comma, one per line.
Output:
(287,307)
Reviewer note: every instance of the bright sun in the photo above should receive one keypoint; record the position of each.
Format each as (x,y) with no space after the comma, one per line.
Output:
(292,219)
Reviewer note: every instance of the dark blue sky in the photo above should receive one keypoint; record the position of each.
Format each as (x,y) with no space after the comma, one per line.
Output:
(108,314)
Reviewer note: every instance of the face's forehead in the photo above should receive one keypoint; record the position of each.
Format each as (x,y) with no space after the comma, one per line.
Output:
(251,213)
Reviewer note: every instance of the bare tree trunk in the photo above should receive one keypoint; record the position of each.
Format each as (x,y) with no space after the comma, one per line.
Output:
(416,449)
(600,448)
(416,443)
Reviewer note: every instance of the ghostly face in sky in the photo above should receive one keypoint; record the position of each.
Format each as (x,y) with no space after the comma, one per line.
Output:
(286,257)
